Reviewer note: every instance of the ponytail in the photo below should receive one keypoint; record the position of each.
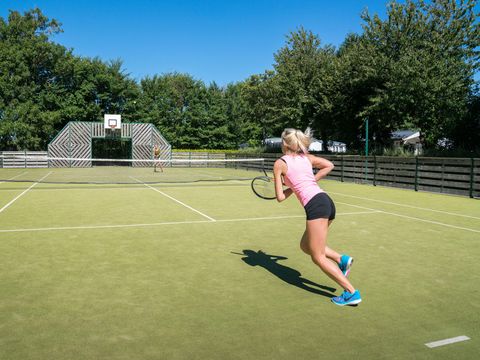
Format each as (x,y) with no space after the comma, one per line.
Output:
(297,141)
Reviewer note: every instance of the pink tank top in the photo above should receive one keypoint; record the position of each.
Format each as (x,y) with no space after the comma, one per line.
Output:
(300,177)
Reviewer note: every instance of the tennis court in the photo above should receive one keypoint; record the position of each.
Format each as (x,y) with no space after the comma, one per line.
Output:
(205,270)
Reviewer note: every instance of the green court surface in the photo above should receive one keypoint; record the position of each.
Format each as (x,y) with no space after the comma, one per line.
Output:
(206,270)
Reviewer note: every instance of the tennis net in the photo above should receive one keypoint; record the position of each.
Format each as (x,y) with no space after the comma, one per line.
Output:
(44,169)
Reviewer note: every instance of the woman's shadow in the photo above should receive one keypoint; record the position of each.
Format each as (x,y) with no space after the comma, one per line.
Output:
(285,273)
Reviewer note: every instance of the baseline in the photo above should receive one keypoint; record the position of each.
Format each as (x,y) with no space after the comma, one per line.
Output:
(449,341)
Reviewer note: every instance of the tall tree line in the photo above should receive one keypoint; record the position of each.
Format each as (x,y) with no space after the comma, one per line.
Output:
(415,69)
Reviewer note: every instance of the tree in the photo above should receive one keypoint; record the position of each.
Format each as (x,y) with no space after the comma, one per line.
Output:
(239,123)
(431,55)
(304,83)
(261,120)
(43,85)
(360,72)
(466,134)
(217,130)
(27,63)
(188,113)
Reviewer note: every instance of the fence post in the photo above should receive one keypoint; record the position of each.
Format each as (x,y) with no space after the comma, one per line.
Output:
(366,169)
(69,144)
(416,173)
(471,176)
(341,177)
(374,170)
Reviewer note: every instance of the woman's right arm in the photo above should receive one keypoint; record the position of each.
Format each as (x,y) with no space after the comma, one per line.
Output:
(279,169)
(324,166)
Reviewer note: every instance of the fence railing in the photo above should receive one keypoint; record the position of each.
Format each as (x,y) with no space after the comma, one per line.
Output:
(185,156)
(23,159)
(459,176)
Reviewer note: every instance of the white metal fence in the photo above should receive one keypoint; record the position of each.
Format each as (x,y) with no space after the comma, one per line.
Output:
(23,159)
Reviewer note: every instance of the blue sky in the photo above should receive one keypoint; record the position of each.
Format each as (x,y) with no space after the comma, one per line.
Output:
(212,40)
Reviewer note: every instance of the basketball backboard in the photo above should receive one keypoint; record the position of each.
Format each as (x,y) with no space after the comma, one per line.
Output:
(113,121)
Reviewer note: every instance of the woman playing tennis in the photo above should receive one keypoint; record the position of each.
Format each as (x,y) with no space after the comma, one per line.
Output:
(294,169)
(156,155)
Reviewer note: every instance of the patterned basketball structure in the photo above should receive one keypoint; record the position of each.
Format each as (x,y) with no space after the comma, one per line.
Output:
(74,143)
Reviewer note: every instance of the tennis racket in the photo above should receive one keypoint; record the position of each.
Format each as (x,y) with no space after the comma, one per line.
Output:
(264,187)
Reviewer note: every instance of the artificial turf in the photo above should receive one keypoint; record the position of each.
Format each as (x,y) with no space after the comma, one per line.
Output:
(125,272)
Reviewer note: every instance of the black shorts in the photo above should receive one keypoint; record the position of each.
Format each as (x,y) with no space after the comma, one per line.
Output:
(320,207)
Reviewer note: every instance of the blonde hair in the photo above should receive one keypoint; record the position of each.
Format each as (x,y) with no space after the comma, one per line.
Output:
(297,140)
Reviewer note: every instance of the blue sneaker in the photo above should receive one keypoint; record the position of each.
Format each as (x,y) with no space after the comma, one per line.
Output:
(345,264)
(347,298)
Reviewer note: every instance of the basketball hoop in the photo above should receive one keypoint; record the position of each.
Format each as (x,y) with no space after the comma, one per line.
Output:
(111,128)
(112,123)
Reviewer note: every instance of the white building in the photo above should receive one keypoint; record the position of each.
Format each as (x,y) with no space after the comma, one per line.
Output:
(315,146)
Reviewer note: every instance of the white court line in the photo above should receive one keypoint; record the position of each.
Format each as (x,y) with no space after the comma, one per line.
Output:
(104,226)
(18,196)
(411,217)
(177,201)
(453,340)
(169,223)
(291,216)
(25,172)
(137,187)
(404,205)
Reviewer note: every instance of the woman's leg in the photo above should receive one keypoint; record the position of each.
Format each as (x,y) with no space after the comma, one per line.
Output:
(314,243)
(329,253)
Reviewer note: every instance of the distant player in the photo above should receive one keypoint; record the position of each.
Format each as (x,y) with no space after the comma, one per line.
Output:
(295,169)
(156,156)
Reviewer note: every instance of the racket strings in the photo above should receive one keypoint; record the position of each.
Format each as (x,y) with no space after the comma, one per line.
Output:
(264,187)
